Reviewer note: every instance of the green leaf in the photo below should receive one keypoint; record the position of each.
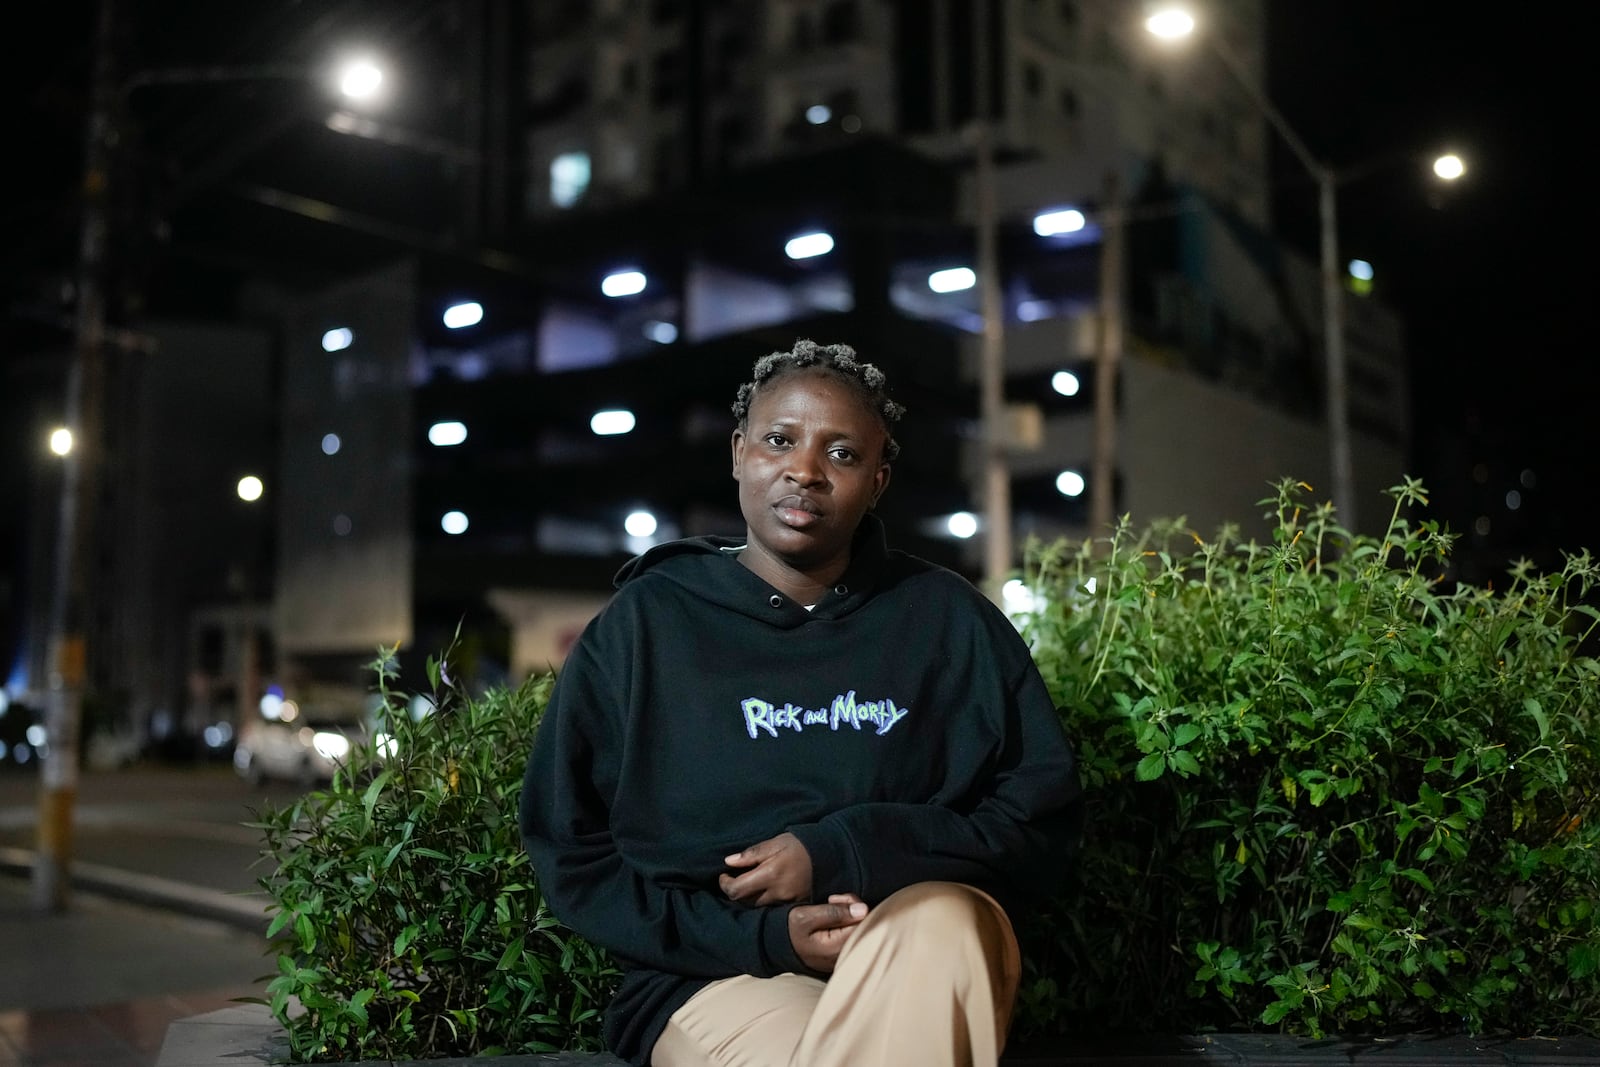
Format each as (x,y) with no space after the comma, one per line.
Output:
(510,956)
(1151,767)
(1185,733)
(1276,1011)
(1532,707)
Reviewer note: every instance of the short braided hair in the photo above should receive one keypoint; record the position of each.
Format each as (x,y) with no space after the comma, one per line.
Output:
(837,360)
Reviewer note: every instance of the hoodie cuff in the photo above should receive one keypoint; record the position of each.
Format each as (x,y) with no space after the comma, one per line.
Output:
(777,946)
(832,869)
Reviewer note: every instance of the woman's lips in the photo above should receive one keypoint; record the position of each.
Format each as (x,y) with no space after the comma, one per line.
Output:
(797,512)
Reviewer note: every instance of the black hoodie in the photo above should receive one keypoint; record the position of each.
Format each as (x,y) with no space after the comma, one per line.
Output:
(899,729)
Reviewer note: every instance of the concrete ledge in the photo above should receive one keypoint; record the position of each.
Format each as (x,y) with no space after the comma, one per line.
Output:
(248,1036)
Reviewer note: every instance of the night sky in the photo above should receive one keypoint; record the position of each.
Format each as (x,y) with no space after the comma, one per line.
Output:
(1485,273)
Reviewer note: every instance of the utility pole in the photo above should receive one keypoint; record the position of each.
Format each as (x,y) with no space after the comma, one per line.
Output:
(991,375)
(69,616)
(1108,354)
(1338,390)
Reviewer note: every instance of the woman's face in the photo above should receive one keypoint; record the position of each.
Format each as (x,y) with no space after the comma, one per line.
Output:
(809,463)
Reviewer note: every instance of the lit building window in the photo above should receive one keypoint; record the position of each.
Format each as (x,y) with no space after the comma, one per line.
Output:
(612,423)
(808,245)
(459,316)
(623,283)
(952,280)
(445,434)
(569,178)
(963,524)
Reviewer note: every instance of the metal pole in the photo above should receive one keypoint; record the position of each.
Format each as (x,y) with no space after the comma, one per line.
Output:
(1343,468)
(1108,353)
(58,780)
(991,378)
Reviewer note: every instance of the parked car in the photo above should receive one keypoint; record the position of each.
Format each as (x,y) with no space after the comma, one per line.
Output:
(303,742)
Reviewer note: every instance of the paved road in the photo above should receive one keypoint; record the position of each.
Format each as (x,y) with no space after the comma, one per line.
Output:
(182,823)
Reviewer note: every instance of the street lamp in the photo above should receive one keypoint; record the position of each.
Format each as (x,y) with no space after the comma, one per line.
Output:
(1173,22)
(85,386)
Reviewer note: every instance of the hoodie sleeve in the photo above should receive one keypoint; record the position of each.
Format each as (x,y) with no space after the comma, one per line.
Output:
(1013,830)
(565,822)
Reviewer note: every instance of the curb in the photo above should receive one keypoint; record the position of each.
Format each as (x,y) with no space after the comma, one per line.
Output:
(196,901)
(248,1036)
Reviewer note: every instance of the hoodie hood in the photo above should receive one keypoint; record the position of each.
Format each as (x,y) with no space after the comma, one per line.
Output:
(709,568)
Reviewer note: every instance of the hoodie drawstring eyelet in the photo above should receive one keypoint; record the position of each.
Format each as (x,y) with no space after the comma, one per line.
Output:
(775,600)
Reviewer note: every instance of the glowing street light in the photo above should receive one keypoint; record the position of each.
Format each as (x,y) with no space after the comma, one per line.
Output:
(1449,167)
(361,79)
(249,488)
(61,441)
(1170,23)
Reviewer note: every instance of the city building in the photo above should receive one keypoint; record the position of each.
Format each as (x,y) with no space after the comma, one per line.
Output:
(486,399)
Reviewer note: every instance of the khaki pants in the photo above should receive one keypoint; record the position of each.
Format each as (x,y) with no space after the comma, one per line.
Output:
(928,979)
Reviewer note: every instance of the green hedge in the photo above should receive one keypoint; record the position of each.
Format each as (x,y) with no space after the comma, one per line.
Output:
(1327,790)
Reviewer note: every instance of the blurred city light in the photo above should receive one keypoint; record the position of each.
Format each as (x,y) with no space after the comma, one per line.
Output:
(250,488)
(342,526)
(952,280)
(1070,483)
(330,444)
(459,316)
(612,422)
(1065,382)
(1360,277)
(963,524)
(453,522)
(809,244)
(1513,500)
(337,339)
(818,114)
(623,283)
(1033,310)
(445,434)
(662,333)
(61,440)
(1051,223)
(1170,23)
(1019,599)
(639,524)
(569,178)
(850,124)
(361,79)
(330,745)
(1449,167)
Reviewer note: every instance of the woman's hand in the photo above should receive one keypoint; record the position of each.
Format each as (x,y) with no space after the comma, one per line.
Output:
(819,931)
(779,873)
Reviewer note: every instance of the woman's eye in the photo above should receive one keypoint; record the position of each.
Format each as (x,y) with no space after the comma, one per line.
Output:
(777,440)
(843,455)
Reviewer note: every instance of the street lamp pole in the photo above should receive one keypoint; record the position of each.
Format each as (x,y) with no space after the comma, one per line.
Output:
(991,374)
(68,618)
(1341,466)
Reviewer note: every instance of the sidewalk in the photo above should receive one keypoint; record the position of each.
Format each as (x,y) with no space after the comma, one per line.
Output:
(100,984)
